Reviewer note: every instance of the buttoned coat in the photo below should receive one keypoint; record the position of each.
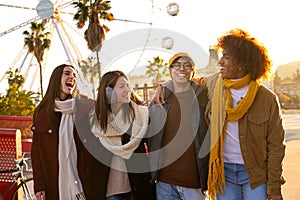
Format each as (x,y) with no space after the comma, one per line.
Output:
(44,153)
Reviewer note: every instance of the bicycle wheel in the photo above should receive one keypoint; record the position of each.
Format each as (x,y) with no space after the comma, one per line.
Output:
(24,190)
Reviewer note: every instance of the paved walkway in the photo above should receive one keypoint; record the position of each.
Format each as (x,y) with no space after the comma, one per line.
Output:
(291,165)
(291,171)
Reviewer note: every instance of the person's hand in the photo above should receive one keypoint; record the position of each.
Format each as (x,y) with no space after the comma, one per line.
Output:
(275,197)
(144,103)
(159,96)
(40,195)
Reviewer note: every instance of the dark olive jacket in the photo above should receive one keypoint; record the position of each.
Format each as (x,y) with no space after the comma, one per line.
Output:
(199,126)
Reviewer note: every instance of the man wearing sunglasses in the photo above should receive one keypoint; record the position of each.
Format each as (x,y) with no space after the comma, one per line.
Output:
(177,131)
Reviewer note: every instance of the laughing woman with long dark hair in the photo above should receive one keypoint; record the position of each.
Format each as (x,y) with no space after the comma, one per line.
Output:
(62,166)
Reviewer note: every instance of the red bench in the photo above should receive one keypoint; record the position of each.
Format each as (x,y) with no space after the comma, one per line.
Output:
(10,149)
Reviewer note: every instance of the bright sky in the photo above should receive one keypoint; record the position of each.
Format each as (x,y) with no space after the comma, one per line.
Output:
(274,23)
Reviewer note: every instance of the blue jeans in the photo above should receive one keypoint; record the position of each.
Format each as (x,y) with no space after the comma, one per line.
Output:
(165,191)
(123,196)
(238,185)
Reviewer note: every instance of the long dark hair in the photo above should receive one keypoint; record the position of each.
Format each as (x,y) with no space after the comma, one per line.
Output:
(53,92)
(103,106)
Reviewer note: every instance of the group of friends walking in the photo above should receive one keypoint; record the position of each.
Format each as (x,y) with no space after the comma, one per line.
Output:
(217,137)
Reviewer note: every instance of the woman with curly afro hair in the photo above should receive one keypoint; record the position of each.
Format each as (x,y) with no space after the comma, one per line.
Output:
(247,135)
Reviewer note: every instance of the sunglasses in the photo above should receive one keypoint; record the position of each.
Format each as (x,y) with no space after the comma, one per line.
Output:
(186,65)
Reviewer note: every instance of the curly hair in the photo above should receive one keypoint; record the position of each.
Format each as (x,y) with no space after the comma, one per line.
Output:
(248,52)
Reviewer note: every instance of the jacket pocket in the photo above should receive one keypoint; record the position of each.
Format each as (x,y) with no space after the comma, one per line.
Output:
(257,124)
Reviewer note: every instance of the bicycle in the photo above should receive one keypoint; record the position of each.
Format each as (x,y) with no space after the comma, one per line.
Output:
(24,185)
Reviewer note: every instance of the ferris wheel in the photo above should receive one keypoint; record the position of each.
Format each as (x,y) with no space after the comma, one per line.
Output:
(68,44)
(56,16)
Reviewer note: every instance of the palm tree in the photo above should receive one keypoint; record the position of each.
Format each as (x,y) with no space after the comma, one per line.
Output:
(93,10)
(88,70)
(157,69)
(37,42)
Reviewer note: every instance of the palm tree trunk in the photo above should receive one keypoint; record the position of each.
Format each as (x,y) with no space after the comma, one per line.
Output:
(99,66)
(93,87)
(41,79)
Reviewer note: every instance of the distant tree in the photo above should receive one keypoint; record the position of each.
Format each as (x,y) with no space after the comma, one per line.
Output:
(16,102)
(37,42)
(284,100)
(157,69)
(89,70)
(296,101)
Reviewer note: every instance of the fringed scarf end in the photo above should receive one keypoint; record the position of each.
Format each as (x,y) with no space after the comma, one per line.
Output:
(216,179)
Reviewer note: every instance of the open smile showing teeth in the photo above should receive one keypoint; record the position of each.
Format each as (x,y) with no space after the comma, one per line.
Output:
(70,84)
(181,75)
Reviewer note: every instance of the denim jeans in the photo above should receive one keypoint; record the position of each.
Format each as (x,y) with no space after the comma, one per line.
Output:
(238,185)
(123,196)
(165,191)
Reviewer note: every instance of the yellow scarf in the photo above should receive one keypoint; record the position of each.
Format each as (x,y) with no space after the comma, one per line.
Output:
(222,111)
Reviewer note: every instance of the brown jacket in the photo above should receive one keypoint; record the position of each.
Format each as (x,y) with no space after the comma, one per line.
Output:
(261,136)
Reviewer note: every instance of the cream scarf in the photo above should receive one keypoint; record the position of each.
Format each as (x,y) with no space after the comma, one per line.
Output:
(222,110)
(111,139)
(69,184)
